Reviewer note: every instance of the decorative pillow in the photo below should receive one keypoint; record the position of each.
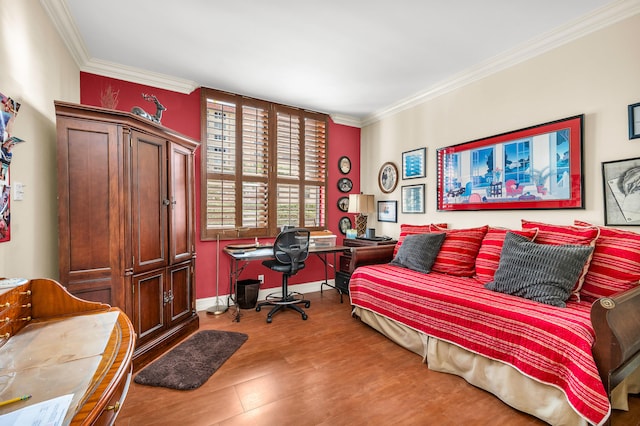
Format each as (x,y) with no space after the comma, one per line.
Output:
(544,273)
(566,234)
(419,251)
(562,234)
(615,265)
(489,254)
(415,229)
(458,253)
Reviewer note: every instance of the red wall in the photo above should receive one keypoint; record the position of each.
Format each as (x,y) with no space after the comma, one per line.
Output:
(183,115)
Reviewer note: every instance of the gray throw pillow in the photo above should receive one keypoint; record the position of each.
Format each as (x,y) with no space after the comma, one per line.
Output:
(541,272)
(419,252)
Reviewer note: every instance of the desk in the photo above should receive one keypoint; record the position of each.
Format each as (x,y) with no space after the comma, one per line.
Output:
(54,344)
(240,259)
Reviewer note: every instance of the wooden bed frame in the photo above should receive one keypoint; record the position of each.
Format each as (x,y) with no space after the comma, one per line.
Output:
(615,321)
(616,350)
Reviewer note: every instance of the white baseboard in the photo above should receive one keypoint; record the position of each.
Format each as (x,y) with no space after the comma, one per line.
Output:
(204,304)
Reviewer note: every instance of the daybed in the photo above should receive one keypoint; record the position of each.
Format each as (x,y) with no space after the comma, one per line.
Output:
(553,350)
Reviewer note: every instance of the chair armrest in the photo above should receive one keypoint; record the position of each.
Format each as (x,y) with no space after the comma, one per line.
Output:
(370,255)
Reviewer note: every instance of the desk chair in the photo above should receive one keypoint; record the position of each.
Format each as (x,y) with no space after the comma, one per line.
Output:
(290,250)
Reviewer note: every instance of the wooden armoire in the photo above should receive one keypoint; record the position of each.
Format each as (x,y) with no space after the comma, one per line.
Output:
(126,220)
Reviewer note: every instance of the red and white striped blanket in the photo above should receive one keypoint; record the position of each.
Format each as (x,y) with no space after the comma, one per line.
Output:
(547,343)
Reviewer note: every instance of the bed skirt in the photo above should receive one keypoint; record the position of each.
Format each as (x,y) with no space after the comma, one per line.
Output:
(521,392)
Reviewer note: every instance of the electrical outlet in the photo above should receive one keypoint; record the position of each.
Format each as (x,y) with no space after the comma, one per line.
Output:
(261,279)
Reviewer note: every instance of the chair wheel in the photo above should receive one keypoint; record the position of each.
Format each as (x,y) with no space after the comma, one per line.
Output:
(258,308)
(304,317)
(269,319)
(306,305)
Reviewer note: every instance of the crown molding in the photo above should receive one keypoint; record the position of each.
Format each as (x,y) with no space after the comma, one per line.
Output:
(600,18)
(140,76)
(610,14)
(61,17)
(346,120)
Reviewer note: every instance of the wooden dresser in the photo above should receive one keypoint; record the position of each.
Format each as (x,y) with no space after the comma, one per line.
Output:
(54,344)
(126,220)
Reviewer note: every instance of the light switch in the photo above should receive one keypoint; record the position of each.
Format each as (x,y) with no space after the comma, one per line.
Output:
(18,191)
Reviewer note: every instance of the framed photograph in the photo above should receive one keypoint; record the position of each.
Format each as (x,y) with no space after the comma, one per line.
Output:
(414,163)
(413,198)
(388,211)
(634,121)
(344,225)
(388,177)
(343,204)
(621,181)
(538,167)
(344,164)
(345,184)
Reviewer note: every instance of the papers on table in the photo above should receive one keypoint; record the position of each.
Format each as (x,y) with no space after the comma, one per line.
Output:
(46,413)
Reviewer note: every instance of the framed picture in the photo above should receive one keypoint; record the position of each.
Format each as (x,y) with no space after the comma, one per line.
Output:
(343,204)
(388,177)
(345,184)
(344,225)
(621,181)
(388,211)
(634,121)
(413,198)
(344,164)
(414,163)
(538,167)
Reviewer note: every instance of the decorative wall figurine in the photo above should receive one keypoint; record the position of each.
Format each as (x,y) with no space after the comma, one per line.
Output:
(142,113)
(109,98)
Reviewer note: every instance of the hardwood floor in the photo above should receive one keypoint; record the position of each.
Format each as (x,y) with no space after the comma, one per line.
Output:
(329,370)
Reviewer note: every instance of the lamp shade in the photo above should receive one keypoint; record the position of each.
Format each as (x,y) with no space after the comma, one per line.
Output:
(361,203)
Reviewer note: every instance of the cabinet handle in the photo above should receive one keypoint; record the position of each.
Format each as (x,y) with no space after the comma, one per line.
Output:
(166,202)
(115,407)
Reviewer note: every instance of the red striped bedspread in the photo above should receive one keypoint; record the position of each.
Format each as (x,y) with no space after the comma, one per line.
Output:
(547,343)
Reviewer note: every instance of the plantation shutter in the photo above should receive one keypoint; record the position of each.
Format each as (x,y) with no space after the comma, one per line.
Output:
(255,167)
(264,167)
(315,153)
(220,164)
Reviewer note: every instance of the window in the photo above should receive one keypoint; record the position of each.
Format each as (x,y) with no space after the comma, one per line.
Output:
(263,167)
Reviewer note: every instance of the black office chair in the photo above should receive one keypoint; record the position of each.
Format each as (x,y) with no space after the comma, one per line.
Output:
(290,250)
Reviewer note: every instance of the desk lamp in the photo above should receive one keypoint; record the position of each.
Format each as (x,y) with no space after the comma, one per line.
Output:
(361,204)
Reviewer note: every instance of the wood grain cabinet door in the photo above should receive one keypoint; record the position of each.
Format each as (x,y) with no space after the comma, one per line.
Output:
(149,202)
(181,227)
(180,291)
(89,209)
(148,305)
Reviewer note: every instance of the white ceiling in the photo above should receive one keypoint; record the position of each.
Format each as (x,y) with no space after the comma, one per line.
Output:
(354,59)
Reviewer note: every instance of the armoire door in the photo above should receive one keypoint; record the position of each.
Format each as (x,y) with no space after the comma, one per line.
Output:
(148,304)
(181,198)
(90,218)
(149,202)
(180,292)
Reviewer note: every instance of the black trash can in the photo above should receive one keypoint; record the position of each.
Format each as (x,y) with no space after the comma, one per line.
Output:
(248,293)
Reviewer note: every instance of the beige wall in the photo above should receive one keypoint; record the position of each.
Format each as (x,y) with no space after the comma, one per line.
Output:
(36,69)
(597,75)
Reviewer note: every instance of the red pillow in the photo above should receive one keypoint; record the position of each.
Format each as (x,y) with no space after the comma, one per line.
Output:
(489,254)
(566,234)
(458,252)
(415,229)
(615,265)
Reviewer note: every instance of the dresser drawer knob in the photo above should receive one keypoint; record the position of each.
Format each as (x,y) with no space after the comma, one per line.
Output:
(115,407)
